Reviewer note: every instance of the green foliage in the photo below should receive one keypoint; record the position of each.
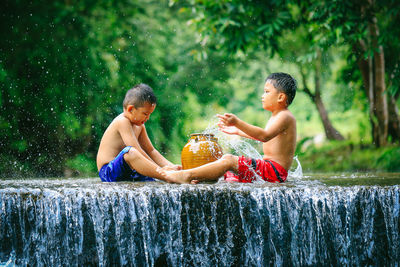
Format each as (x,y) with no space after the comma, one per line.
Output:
(82,165)
(346,23)
(389,159)
(66,65)
(238,25)
(347,156)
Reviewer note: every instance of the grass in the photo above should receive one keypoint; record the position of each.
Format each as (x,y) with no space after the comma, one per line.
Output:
(346,156)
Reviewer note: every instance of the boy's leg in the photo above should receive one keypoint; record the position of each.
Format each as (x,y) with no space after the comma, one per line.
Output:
(208,172)
(142,165)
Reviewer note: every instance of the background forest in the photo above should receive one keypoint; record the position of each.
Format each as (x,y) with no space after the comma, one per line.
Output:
(66,65)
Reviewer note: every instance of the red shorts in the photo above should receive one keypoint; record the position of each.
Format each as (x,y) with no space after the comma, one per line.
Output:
(269,171)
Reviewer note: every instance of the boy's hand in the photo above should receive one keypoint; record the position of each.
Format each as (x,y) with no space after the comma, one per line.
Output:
(228,129)
(172,167)
(176,167)
(228,119)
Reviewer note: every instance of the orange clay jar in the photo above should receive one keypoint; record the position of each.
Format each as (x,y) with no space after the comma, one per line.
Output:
(199,150)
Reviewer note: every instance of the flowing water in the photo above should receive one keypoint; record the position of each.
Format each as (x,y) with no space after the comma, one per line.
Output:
(319,219)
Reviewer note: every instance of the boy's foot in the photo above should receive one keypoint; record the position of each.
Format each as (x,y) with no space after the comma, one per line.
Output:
(179,177)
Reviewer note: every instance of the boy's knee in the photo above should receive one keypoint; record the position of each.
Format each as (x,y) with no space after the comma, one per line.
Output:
(228,159)
(230,162)
(131,154)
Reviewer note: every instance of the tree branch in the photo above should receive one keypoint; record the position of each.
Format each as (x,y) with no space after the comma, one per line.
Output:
(304,81)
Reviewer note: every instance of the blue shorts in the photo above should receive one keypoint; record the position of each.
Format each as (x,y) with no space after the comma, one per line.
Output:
(118,170)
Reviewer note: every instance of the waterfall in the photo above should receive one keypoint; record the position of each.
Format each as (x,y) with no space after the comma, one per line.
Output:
(85,222)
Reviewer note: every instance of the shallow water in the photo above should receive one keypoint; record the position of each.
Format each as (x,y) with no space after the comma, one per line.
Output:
(307,179)
(348,179)
(319,219)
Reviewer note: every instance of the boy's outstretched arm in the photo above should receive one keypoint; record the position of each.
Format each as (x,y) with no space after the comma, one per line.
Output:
(229,129)
(273,128)
(232,130)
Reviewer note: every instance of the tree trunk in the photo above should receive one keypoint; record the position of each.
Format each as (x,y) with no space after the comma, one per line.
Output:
(366,66)
(380,105)
(330,131)
(394,120)
(371,98)
(373,75)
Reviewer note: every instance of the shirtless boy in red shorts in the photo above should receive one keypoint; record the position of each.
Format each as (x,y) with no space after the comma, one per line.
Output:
(278,137)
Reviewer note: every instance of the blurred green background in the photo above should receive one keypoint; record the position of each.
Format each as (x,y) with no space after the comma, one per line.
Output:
(65,67)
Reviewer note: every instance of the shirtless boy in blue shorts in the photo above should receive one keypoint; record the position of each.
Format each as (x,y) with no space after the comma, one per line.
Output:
(126,152)
(278,137)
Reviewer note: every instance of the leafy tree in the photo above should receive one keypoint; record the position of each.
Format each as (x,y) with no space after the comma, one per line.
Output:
(249,25)
(240,25)
(66,65)
(311,61)
(369,28)
(45,67)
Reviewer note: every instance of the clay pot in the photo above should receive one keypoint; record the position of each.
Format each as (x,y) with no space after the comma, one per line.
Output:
(199,150)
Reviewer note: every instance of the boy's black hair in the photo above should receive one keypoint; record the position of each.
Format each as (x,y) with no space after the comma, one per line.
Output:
(284,83)
(138,95)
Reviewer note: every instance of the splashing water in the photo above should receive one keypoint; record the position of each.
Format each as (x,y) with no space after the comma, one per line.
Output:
(234,144)
(297,174)
(239,146)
